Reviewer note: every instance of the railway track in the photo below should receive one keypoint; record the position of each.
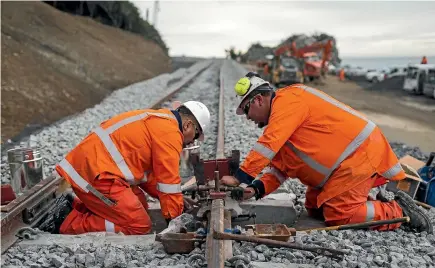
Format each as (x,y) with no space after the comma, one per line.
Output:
(212,84)
(24,213)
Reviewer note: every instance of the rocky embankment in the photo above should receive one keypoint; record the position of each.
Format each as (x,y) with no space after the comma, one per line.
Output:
(55,64)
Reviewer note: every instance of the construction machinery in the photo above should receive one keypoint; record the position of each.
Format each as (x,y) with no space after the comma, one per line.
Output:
(285,68)
(297,65)
(315,66)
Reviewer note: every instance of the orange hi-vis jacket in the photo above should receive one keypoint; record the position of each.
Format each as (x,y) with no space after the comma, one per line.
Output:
(139,146)
(309,136)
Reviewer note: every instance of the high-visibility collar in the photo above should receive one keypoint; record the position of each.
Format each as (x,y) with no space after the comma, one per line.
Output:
(271,100)
(177,115)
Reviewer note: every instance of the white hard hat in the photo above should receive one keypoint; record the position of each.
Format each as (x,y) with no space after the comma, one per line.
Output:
(201,113)
(246,85)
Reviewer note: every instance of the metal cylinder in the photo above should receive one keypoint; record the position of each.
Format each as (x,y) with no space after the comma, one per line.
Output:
(186,169)
(26,168)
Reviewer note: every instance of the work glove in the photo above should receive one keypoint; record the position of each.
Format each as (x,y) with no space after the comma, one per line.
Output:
(189,204)
(238,192)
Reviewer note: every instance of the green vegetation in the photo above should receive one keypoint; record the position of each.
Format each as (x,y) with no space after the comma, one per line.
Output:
(121,14)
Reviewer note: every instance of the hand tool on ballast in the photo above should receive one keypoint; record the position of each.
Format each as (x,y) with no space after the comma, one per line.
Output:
(328,252)
(361,225)
(424,205)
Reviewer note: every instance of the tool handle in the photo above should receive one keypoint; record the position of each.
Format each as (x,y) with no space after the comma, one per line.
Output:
(359,225)
(423,204)
(334,253)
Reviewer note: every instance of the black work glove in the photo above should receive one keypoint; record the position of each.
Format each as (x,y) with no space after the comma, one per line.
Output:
(237,193)
(168,221)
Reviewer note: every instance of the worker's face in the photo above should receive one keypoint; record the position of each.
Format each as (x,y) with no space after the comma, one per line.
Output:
(256,110)
(191,132)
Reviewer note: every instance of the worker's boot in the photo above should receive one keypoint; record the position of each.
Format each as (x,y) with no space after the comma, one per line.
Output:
(63,206)
(418,219)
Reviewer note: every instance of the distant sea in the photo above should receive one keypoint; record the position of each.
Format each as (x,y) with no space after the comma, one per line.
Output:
(384,62)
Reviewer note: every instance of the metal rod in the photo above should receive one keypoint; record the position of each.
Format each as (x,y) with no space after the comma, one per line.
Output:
(220,146)
(333,253)
(216,181)
(201,188)
(426,206)
(359,225)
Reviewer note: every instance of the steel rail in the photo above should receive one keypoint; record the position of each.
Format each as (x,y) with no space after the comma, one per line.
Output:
(13,214)
(217,251)
(12,217)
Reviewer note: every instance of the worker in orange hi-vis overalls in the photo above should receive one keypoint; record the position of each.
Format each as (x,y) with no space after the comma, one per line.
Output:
(341,74)
(424,60)
(333,149)
(127,155)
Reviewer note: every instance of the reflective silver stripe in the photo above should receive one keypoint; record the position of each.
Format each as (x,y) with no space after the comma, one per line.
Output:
(308,160)
(393,171)
(114,152)
(332,101)
(134,118)
(84,185)
(276,173)
(356,142)
(362,136)
(263,150)
(370,211)
(169,188)
(66,166)
(110,227)
(104,135)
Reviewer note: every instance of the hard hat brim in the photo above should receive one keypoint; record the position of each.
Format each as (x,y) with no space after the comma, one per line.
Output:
(239,111)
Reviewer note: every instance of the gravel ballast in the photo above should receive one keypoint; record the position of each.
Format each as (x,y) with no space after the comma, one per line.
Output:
(397,248)
(58,139)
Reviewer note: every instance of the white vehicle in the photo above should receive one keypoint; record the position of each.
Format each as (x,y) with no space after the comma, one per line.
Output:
(376,76)
(332,69)
(397,71)
(429,84)
(416,76)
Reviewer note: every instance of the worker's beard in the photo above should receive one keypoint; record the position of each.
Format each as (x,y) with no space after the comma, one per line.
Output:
(263,124)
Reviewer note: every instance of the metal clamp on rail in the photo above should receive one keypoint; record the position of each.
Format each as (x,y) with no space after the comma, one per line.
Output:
(28,233)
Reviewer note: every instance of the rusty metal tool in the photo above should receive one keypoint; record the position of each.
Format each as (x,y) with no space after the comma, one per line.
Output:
(329,252)
(358,225)
(426,206)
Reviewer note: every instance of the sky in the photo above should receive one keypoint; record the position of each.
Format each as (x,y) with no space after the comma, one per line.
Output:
(361,28)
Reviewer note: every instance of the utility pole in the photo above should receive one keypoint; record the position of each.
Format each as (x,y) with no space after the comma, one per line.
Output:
(156,10)
(147,15)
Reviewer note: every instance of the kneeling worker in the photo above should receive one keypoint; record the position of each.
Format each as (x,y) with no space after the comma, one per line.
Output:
(136,148)
(333,149)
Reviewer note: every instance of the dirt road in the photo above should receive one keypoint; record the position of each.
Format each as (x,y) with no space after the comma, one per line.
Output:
(401,116)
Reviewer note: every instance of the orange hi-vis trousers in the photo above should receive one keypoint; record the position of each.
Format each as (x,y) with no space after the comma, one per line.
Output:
(90,214)
(353,206)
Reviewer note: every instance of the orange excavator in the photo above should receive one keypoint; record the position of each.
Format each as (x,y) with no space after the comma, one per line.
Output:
(314,66)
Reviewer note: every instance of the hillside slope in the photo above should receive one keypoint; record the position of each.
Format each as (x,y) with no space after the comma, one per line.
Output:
(54,64)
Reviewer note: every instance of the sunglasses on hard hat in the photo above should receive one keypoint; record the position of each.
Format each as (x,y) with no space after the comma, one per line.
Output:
(248,105)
